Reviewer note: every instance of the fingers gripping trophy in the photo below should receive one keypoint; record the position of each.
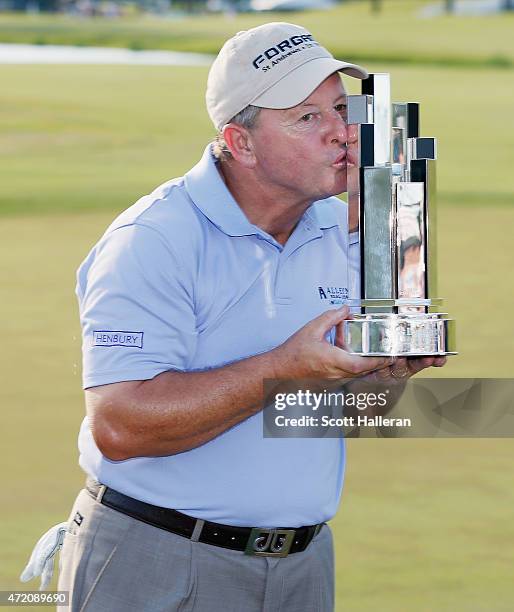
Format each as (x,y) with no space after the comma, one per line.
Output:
(392,213)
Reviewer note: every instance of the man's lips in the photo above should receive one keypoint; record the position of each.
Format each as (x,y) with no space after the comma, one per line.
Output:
(340,160)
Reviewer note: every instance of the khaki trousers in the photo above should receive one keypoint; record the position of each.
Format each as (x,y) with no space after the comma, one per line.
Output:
(114,563)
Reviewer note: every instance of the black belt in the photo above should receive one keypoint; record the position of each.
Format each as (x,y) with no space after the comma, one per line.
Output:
(252,540)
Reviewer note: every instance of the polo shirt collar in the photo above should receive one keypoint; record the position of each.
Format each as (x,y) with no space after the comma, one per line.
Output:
(210,194)
(322,214)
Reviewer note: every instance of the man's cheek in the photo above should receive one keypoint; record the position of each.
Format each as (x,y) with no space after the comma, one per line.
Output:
(303,165)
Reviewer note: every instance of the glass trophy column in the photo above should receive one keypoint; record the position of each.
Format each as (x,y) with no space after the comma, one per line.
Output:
(391,212)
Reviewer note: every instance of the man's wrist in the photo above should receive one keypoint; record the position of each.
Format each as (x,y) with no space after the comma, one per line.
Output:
(276,363)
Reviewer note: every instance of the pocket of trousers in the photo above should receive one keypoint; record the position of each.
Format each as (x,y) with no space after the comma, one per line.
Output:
(88,549)
(68,559)
(149,570)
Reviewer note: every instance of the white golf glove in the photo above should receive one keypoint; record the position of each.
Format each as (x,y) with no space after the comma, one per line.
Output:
(41,562)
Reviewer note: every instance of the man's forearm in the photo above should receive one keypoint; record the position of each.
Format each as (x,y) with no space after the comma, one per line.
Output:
(175,411)
(178,411)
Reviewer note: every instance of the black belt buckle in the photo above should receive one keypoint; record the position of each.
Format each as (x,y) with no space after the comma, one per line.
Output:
(269,542)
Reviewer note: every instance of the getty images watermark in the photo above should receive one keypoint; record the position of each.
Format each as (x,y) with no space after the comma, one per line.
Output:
(317,402)
(361,408)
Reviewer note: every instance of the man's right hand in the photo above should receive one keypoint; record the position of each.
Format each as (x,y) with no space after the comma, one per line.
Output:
(308,354)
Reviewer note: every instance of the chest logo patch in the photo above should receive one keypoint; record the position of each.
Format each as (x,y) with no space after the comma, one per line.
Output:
(118,338)
(334,295)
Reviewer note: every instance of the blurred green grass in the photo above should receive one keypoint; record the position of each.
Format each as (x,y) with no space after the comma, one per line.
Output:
(97,137)
(424,524)
(349,30)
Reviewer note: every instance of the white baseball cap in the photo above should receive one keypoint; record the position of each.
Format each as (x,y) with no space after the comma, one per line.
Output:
(275,65)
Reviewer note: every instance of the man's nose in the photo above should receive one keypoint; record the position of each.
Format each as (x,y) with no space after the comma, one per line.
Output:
(338,128)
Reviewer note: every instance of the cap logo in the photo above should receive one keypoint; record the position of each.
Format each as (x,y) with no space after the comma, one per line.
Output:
(284,49)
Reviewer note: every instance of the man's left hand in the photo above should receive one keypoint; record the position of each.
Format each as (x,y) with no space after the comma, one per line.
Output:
(394,378)
(405,367)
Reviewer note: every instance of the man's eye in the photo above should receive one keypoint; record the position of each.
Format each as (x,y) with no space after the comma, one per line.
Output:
(341,109)
(307,117)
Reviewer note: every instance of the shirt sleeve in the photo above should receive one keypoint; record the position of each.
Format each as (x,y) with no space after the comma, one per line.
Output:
(136,307)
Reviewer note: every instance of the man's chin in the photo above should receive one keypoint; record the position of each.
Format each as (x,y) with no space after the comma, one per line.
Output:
(333,187)
(338,189)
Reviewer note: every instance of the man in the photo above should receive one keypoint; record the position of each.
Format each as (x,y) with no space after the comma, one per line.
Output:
(192,297)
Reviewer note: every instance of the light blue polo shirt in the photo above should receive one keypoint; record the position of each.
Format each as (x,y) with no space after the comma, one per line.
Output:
(183,281)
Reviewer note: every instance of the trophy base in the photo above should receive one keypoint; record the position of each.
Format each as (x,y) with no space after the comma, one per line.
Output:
(400,335)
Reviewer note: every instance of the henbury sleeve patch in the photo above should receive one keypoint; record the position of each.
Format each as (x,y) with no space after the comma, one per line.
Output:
(118,338)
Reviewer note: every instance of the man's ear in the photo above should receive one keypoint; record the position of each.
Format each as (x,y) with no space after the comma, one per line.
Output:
(239,143)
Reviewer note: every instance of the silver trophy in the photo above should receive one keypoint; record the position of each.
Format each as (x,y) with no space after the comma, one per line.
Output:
(392,212)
